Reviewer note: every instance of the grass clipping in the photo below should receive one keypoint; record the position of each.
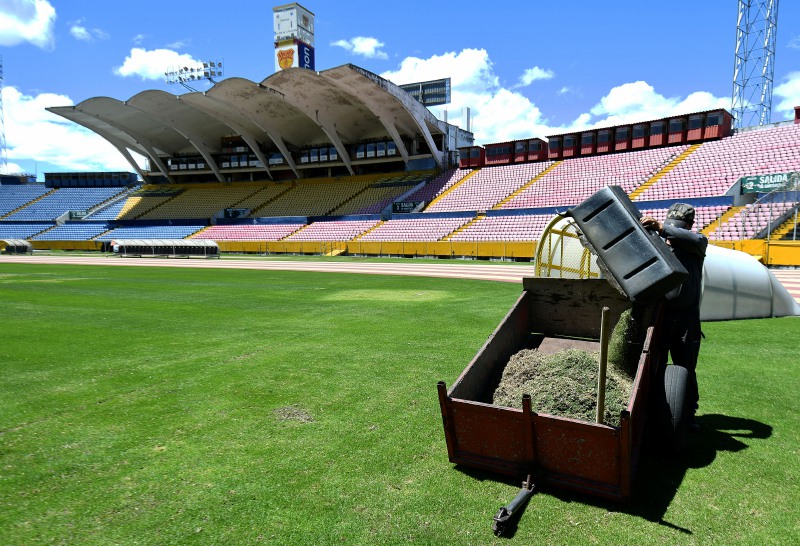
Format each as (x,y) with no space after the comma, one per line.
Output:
(565,383)
(562,384)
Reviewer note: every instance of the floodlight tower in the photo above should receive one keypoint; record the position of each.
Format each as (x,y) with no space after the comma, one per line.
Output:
(754,64)
(3,151)
(203,70)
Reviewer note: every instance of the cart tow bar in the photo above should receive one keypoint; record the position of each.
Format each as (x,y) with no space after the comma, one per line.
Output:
(504,516)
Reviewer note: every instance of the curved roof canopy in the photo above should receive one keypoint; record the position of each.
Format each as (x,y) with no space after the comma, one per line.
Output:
(289,110)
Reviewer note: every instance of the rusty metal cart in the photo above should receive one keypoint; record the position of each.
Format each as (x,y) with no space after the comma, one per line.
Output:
(586,457)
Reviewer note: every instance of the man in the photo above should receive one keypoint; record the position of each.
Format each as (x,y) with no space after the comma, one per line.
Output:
(682,306)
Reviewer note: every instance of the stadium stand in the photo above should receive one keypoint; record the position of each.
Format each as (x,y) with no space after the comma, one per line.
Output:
(416,228)
(573,180)
(487,187)
(16,196)
(338,230)
(717,165)
(314,197)
(518,227)
(151,232)
(200,201)
(22,230)
(438,185)
(146,199)
(73,231)
(752,220)
(248,232)
(107,212)
(378,196)
(266,194)
(58,202)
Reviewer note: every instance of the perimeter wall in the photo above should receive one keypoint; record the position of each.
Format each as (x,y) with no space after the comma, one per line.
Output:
(774,253)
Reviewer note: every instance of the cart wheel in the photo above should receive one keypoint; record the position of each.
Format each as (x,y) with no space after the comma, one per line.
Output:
(675,378)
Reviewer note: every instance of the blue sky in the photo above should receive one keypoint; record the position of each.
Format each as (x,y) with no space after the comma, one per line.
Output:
(524,69)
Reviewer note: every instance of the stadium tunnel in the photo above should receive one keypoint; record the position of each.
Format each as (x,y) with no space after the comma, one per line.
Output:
(735,284)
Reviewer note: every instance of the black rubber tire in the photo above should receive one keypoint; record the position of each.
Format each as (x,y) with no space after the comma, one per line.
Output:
(675,378)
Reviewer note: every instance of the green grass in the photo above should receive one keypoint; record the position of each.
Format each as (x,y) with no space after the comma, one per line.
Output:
(149,405)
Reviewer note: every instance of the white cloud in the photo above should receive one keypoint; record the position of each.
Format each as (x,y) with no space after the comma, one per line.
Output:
(138,39)
(788,93)
(14,168)
(363,46)
(27,21)
(532,74)
(34,134)
(500,114)
(794,43)
(470,71)
(151,65)
(639,101)
(80,32)
(497,114)
(177,45)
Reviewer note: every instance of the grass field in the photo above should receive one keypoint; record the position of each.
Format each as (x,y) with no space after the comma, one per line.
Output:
(164,406)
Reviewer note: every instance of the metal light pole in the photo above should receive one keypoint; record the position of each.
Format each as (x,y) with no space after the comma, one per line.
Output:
(203,70)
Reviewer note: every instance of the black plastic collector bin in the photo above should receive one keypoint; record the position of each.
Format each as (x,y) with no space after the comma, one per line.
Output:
(640,262)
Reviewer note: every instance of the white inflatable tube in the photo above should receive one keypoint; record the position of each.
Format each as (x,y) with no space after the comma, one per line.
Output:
(737,286)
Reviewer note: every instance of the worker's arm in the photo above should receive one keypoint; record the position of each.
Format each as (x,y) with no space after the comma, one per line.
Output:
(688,240)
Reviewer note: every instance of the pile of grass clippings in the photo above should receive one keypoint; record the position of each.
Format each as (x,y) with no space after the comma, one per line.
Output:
(627,340)
(562,384)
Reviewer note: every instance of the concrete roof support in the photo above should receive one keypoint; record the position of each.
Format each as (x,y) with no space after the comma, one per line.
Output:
(177,120)
(230,117)
(98,124)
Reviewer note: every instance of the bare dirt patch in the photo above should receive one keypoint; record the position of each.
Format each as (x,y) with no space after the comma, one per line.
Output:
(293,413)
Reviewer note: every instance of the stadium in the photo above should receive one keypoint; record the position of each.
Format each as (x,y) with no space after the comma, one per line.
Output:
(281,393)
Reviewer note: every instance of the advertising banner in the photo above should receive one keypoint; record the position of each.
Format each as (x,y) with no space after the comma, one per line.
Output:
(766,183)
(305,56)
(293,54)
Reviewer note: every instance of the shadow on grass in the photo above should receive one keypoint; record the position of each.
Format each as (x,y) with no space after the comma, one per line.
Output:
(660,472)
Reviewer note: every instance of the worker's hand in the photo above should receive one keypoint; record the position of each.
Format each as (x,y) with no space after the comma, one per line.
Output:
(650,223)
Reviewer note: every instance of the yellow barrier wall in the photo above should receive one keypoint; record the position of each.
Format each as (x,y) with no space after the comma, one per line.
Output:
(453,249)
(783,253)
(777,253)
(67,245)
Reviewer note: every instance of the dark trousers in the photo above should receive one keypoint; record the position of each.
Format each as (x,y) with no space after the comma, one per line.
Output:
(682,341)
